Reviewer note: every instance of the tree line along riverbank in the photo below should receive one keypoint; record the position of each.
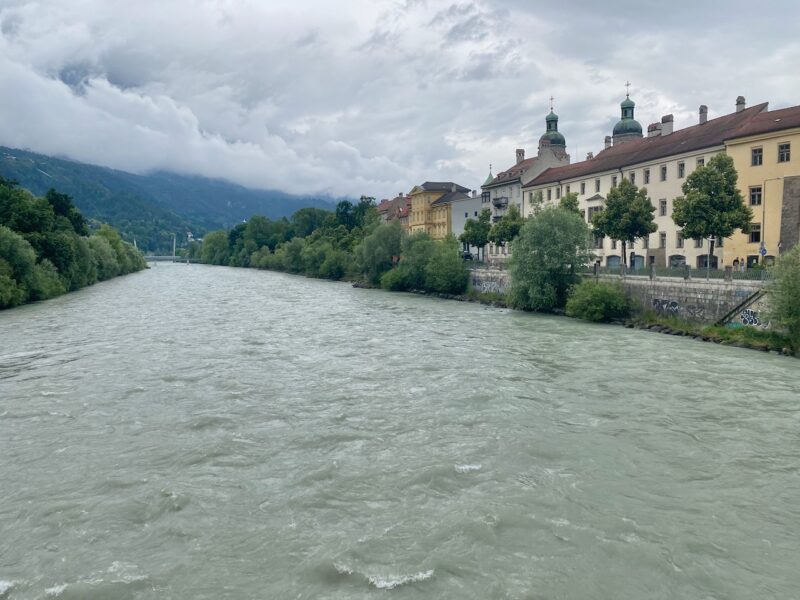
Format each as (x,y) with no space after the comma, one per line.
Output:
(48,248)
(550,249)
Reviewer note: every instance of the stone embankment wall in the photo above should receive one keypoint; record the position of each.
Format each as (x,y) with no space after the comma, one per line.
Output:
(489,280)
(700,300)
(691,299)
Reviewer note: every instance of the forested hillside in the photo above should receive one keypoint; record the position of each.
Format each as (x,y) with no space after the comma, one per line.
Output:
(149,208)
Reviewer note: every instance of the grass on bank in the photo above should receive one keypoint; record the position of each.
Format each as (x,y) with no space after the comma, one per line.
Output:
(741,336)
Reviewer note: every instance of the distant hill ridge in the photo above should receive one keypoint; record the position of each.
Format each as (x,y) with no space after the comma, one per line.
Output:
(149,207)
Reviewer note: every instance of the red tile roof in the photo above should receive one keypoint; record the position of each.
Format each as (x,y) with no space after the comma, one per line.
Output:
(513,172)
(711,133)
(769,121)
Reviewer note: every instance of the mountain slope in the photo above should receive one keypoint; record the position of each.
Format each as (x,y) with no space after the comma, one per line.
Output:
(149,207)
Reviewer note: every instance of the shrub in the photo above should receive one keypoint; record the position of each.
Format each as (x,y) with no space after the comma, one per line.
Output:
(445,272)
(786,295)
(395,280)
(598,301)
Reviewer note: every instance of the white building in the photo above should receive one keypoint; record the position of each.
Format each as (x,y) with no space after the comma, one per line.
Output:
(659,162)
(501,191)
(463,208)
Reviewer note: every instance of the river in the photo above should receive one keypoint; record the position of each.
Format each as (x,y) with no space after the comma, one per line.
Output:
(205,432)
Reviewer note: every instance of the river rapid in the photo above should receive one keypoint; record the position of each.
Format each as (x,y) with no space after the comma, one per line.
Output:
(205,432)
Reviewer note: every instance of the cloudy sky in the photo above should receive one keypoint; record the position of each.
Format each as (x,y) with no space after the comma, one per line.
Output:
(353,97)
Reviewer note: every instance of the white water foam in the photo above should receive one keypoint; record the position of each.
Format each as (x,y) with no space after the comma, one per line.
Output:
(467,468)
(390,582)
(5,587)
(56,590)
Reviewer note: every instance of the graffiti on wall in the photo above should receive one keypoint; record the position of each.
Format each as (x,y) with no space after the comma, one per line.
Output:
(489,287)
(667,307)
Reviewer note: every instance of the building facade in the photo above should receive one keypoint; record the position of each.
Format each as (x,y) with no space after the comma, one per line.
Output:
(430,207)
(505,189)
(659,162)
(766,154)
(462,209)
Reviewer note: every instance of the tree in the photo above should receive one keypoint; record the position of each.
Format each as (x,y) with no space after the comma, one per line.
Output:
(537,202)
(627,215)
(345,214)
(378,252)
(570,202)
(711,205)
(445,272)
(476,233)
(63,206)
(785,295)
(598,301)
(215,248)
(550,248)
(507,228)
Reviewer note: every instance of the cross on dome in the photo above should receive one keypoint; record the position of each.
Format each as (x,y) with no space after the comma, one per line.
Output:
(627,89)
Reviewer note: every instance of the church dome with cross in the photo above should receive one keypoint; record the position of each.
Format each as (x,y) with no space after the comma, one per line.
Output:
(627,128)
(552,136)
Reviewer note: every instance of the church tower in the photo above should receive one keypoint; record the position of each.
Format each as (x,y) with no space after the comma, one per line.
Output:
(627,128)
(552,141)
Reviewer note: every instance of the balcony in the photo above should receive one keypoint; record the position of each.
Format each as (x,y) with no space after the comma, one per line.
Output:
(500,202)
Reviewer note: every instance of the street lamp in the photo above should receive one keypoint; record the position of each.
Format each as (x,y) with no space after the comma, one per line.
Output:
(763,247)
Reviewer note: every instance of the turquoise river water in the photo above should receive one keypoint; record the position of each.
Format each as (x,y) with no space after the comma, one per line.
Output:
(204,433)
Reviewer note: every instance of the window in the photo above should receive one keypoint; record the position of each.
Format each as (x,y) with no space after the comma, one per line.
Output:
(646,176)
(583,188)
(485,197)
(646,242)
(549,194)
(613,244)
(663,172)
(662,208)
(614,181)
(476,213)
(755,233)
(719,242)
(756,157)
(783,152)
(466,215)
(597,185)
(558,192)
(679,240)
(632,176)
(701,162)
(755,195)
(681,170)
(598,242)
(698,243)
(567,189)
(593,210)
(662,239)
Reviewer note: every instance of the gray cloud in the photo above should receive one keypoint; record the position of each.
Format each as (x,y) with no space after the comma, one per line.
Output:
(367,97)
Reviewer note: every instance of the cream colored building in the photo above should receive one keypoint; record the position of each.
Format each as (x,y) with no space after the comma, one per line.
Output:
(766,154)
(659,162)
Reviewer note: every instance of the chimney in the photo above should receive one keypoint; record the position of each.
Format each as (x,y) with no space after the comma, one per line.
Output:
(654,130)
(453,187)
(520,155)
(474,193)
(740,104)
(589,155)
(608,141)
(703,113)
(400,194)
(666,124)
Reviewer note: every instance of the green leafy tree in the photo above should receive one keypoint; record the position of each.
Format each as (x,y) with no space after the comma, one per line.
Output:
(549,250)
(446,272)
(627,215)
(379,251)
(476,232)
(307,220)
(293,255)
(63,206)
(785,295)
(507,228)
(215,248)
(711,205)
(537,202)
(570,202)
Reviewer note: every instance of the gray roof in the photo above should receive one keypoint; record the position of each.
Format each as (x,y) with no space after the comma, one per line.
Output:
(442,186)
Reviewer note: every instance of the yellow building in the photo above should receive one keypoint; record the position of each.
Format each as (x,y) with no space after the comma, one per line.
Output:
(430,207)
(766,154)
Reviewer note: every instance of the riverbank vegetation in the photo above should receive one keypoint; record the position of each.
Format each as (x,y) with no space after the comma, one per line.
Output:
(47,249)
(349,243)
